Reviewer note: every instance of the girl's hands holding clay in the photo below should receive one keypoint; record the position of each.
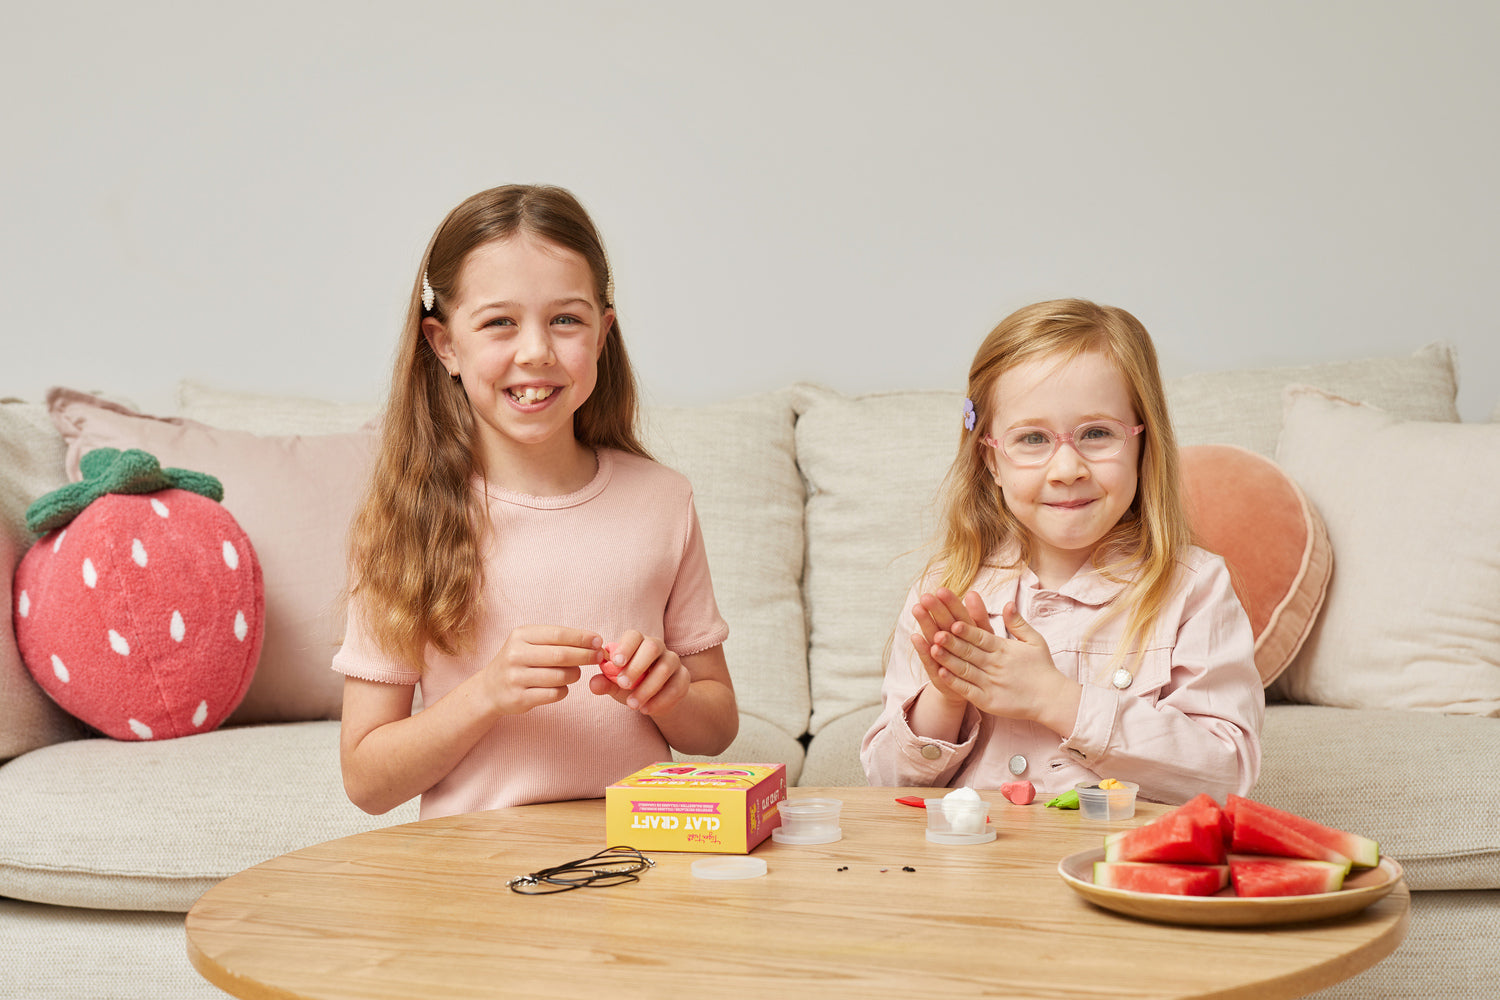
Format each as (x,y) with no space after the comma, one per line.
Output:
(536,664)
(1008,675)
(641,673)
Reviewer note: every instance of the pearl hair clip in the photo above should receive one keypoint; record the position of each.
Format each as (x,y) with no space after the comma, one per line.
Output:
(428,298)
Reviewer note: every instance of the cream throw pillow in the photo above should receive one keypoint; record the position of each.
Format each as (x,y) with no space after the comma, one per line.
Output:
(1412,617)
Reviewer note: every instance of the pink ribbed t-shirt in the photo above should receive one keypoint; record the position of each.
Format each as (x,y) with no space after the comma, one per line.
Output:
(625,552)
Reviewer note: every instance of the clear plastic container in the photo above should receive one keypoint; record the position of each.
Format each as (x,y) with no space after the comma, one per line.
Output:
(808,821)
(1106,803)
(959,821)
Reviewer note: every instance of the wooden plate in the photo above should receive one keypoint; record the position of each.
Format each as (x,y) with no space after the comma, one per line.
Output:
(1363,887)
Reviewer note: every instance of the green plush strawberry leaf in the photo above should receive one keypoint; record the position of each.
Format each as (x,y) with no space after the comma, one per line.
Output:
(110,470)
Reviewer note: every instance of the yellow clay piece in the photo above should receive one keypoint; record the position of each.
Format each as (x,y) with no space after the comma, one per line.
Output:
(1110,783)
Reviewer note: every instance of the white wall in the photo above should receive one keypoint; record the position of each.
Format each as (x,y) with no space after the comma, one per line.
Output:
(846,192)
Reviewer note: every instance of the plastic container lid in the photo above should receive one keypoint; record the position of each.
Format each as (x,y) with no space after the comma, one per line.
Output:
(729,868)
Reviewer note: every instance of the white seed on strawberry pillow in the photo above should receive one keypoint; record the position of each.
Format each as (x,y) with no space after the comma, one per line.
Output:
(156,605)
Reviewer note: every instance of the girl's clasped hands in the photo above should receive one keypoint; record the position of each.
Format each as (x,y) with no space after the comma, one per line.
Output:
(1009,674)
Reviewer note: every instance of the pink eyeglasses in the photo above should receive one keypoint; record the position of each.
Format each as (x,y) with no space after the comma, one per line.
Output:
(1094,440)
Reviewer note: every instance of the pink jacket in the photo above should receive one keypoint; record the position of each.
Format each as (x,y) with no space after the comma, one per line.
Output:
(1188,722)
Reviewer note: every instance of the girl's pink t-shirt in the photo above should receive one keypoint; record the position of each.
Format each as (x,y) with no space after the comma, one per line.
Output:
(1188,721)
(625,552)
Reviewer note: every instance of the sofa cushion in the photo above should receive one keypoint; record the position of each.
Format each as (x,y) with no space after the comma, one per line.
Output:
(1244,407)
(740,456)
(1250,512)
(31,464)
(294,496)
(1417,782)
(152,825)
(1412,618)
(873,465)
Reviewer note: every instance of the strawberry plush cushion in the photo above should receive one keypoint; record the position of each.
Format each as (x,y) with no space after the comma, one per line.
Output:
(1247,510)
(140,613)
(295,496)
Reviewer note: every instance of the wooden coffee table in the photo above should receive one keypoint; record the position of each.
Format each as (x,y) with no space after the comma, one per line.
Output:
(422,910)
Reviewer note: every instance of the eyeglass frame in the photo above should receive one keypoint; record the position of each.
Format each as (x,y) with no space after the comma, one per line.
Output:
(1060,438)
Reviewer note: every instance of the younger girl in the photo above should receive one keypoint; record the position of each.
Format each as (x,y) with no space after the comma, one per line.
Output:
(1120,649)
(517,538)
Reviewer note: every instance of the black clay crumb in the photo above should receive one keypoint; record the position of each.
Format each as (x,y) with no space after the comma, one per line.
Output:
(907,868)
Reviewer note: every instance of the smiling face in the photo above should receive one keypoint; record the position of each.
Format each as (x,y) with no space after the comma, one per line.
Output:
(1067,504)
(524,335)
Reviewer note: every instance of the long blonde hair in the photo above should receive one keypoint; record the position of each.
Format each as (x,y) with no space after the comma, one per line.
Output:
(417,543)
(1146,544)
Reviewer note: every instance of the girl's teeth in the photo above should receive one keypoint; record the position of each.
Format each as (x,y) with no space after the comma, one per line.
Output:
(531,394)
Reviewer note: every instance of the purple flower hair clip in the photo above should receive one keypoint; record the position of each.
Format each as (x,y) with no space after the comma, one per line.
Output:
(968,414)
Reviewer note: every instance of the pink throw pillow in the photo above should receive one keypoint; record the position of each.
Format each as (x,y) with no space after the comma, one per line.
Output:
(295,497)
(1244,508)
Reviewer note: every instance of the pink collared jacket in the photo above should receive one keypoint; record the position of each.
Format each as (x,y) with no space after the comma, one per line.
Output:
(1188,721)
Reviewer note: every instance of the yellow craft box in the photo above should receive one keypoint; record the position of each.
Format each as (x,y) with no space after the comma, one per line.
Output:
(714,808)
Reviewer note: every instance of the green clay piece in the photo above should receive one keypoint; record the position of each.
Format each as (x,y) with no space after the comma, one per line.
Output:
(1067,800)
(110,470)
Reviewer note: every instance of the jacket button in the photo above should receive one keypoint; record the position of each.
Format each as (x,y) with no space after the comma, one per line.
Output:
(1018,765)
(931,751)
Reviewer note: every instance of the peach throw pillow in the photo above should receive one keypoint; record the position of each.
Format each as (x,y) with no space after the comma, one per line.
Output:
(1247,510)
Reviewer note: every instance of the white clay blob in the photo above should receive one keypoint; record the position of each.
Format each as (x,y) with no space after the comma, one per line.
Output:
(961,818)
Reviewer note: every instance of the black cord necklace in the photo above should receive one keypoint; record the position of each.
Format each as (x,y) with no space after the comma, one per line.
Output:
(611,866)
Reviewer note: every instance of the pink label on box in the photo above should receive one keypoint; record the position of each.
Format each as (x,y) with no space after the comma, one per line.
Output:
(705,808)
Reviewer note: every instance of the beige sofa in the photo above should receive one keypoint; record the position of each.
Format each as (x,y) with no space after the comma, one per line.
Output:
(815,506)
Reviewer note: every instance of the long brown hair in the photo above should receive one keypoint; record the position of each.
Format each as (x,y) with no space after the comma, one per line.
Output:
(1146,544)
(416,548)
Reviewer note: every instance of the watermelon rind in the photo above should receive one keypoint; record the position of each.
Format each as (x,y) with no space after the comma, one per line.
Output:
(1361,851)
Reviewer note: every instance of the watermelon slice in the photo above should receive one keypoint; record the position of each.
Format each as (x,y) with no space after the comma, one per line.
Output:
(1257,833)
(1257,876)
(1203,802)
(1173,880)
(1182,836)
(1362,851)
